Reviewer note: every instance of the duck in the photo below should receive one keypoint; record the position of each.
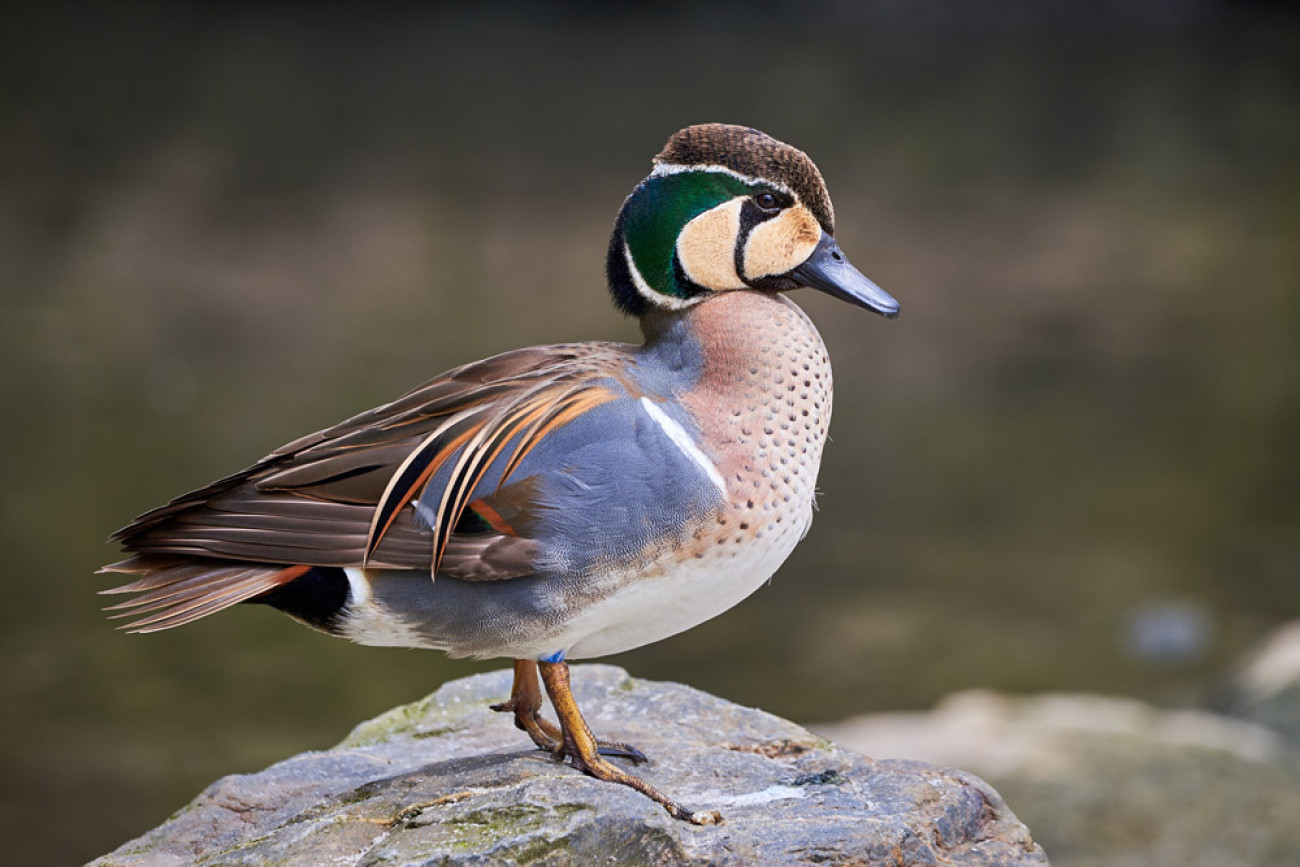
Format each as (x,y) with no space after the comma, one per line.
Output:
(558,502)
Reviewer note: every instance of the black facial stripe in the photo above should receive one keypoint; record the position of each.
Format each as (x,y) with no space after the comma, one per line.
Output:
(751,215)
(626,298)
(689,286)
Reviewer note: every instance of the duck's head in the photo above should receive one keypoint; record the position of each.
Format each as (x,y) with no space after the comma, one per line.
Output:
(728,207)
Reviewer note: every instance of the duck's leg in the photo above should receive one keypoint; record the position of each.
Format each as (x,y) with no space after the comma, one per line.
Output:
(526,704)
(581,746)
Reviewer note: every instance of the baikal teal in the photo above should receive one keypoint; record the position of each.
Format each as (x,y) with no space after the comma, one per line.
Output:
(558,502)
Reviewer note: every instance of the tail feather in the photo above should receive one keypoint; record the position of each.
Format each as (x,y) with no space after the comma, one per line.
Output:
(176,591)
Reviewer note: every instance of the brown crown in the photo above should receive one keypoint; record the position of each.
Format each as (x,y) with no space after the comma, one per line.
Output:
(755,154)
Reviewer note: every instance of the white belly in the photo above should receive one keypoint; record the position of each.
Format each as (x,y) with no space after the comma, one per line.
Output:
(672,598)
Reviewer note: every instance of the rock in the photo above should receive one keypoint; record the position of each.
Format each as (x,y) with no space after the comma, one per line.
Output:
(447,781)
(1265,687)
(1112,781)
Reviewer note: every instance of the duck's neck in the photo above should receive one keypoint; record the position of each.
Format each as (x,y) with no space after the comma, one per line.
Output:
(736,337)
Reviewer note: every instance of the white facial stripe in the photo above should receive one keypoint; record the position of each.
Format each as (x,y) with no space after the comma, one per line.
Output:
(658,299)
(663,169)
(682,440)
(706,247)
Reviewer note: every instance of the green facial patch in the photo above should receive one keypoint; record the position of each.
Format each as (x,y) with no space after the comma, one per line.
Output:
(655,214)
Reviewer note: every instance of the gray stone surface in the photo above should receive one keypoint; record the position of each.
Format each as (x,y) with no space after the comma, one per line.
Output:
(446,781)
(1112,782)
(1265,686)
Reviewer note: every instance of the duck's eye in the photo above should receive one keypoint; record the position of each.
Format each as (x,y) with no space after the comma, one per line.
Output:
(767,201)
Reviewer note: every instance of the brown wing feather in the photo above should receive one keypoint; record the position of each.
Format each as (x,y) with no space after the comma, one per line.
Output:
(175,592)
(490,557)
(338,497)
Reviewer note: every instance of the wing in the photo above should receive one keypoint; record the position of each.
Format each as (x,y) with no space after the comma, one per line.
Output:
(390,488)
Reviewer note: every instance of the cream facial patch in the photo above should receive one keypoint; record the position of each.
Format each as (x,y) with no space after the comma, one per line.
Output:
(781,244)
(706,247)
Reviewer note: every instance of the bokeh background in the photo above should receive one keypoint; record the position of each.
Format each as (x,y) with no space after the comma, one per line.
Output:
(1071,465)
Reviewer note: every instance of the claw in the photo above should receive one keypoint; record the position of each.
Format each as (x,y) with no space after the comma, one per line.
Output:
(584,751)
(526,703)
(618,750)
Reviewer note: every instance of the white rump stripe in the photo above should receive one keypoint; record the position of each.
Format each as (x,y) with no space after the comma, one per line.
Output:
(682,440)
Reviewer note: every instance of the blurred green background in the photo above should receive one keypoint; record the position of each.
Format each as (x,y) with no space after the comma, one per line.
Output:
(1071,465)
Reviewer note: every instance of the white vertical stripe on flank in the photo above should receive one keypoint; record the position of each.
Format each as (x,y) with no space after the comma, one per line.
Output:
(682,440)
